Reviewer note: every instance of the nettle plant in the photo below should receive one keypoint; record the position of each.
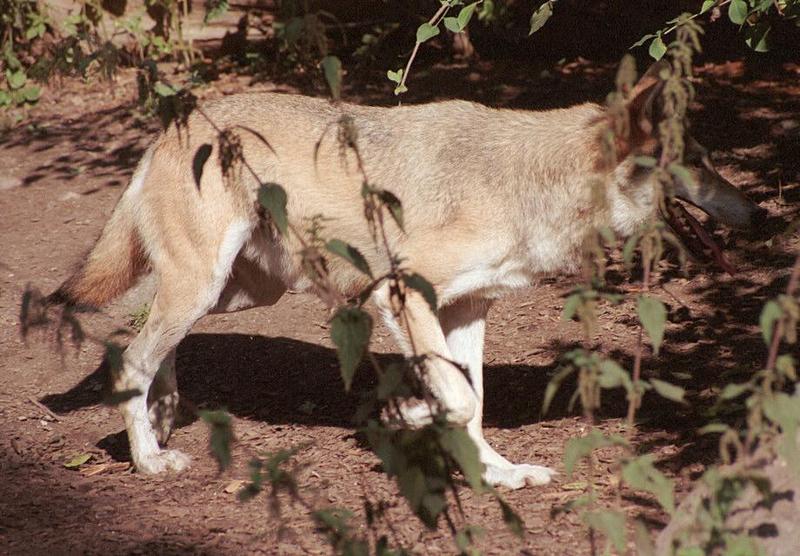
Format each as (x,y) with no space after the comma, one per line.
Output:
(423,461)
(769,428)
(755,18)
(21,22)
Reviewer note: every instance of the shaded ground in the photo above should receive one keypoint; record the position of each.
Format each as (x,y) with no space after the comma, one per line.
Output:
(275,371)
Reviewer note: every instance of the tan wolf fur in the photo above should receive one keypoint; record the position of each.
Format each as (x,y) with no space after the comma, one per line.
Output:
(492,198)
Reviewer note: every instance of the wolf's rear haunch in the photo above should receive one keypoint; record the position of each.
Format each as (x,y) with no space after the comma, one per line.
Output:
(492,199)
(110,268)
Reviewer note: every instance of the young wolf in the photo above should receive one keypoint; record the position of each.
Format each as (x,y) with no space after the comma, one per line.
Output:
(492,200)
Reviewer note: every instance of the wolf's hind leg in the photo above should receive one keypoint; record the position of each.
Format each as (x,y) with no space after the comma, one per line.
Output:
(464,324)
(187,289)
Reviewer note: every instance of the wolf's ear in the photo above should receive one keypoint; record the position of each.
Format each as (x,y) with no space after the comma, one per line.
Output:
(642,102)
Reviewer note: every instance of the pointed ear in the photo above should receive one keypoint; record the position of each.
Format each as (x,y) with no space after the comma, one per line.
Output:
(642,101)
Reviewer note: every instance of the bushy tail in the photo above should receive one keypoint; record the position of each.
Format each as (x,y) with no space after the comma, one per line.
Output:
(115,261)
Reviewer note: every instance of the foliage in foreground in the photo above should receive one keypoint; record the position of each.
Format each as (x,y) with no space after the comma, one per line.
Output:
(423,462)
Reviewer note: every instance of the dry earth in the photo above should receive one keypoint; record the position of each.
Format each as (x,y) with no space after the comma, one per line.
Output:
(62,171)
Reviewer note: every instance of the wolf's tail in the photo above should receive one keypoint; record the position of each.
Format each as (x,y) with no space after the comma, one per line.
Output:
(116,260)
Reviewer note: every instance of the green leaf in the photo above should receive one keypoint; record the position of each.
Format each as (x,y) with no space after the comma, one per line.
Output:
(553,386)
(713,428)
(669,391)
(221,437)
(16,79)
(465,15)
(784,410)
(332,68)
(571,306)
(457,443)
(512,520)
(350,254)
(642,540)
(653,317)
(351,329)
(645,161)
(465,537)
(391,383)
(31,94)
(614,376)
(734,390)
(757,36)
(426,31)
(771,312)
(610,238)
(77,461)
(400,89)
(707,5)
(742,545)
(164,90)
(540,17)
(451,24)
(113,356)
(609,523)
(640,474)
(420,284)
(785,365)
(394,205)
(214,10)
(578,448)
(411,481)
(657,48)
(682,173)
(273,198)
(737,11)
(395,76)
(629,249)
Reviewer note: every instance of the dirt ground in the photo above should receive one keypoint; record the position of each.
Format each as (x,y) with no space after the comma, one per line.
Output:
(275,371)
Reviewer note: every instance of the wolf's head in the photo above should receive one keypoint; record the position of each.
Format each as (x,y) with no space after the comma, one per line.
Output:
(632,193)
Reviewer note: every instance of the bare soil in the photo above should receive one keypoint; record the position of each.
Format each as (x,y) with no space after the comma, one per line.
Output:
(275,371)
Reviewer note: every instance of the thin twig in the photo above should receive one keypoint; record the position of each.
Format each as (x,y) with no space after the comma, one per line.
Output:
(432,21)
(633,403)
(44,408)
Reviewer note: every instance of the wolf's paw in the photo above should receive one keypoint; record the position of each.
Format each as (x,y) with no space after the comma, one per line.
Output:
(164,460)
(517,476)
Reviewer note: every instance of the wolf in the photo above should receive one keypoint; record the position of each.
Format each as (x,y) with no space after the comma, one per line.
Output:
(493,199)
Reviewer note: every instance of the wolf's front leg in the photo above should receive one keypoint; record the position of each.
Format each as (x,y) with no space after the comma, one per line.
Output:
(421,334)
(464,323)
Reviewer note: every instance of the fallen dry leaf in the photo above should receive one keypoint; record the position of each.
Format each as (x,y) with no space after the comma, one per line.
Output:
(234,486)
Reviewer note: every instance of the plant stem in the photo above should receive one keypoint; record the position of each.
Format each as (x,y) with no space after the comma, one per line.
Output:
(633,402)
(440,13)
(777,333)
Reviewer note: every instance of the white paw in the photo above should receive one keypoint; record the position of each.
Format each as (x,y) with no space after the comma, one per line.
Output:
(164,460)
(517,476)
